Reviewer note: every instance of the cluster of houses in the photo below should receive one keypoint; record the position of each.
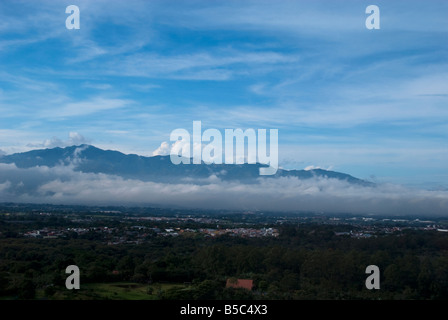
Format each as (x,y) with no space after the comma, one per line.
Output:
(242,232)
(235,232)
(138,234)
(44,233)
(51,233)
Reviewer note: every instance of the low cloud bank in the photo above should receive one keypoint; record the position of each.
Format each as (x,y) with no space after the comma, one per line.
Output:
(63,185)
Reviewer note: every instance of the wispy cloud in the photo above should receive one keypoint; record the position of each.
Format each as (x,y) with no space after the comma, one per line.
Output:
(145,87)
(83,108)
(217,65)
(98,86)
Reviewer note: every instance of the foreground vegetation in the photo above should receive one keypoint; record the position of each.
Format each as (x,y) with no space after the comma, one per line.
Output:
(309,264)
(307,261)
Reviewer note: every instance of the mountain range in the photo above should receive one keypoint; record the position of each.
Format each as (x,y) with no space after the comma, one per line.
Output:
(90,159)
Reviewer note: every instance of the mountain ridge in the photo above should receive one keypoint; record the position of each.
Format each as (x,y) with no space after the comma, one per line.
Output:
(90,159)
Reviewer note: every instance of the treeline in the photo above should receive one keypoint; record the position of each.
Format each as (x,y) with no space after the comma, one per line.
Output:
(306,262)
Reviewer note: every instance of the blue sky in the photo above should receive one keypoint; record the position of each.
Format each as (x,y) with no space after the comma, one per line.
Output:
(371,103)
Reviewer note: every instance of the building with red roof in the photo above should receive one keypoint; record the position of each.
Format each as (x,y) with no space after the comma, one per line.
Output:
(240,283)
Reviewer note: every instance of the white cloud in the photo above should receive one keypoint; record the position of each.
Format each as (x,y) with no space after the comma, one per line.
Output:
(98,86)
(74,138)
(179,145)
(163,150)
(184,145)
(312,167)
(76,159)
(5,185)
(63,185)
(82,108)
(145,87)
(200,65)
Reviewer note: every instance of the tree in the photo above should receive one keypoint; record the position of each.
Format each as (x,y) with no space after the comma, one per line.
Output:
(26,288)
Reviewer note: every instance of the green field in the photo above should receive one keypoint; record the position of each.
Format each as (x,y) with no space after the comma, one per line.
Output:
(112,291)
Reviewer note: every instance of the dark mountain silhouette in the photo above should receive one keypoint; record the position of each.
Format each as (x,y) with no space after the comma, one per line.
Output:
(89,159)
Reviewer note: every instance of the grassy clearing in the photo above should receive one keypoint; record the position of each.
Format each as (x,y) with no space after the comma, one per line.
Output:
(112,291)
